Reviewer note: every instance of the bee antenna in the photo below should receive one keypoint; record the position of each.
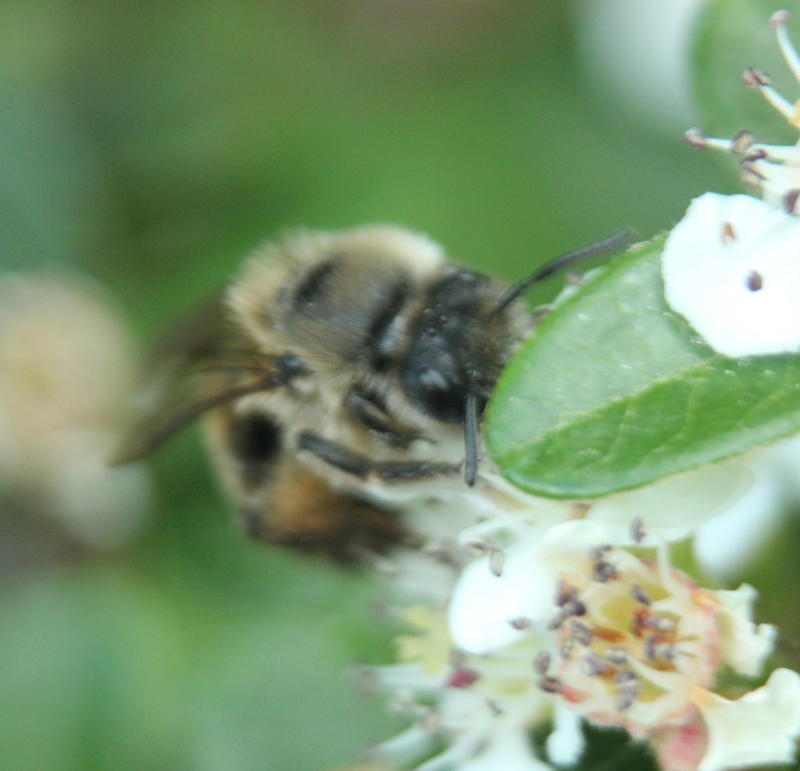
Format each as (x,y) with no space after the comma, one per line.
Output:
(595,249)
(470,437)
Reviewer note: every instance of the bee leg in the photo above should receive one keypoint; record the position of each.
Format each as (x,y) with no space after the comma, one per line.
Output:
(364,468)
(370,411)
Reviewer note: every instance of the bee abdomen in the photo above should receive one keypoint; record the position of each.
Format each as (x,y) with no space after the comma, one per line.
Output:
(255,438)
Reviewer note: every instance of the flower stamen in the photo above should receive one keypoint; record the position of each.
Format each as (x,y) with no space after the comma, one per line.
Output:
(754,78)
(778,23)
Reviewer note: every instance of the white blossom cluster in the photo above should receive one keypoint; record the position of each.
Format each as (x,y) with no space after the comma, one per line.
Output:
(549,615)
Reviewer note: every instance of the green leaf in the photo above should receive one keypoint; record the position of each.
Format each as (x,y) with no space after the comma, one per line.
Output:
(730,36)
(614,391)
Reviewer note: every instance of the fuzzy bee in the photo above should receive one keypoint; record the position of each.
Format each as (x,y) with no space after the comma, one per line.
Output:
(336,362)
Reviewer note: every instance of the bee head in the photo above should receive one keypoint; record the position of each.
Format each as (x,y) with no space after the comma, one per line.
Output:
(458,346)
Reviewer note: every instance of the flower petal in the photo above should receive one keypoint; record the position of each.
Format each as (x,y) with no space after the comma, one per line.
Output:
(673,507)
(565,744)
(759,728)
(485,604)
(730,267)
(509,750)
(487,600)
(745,645)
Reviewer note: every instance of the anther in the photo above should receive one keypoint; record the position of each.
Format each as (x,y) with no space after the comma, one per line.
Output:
(592,664)
(638,532)
(695,138)
(494,707)
(728,234)
(565,593)
(754,281)
(550,684)
(604,572)
(617,656)
(582,633)
(741,142)
(596,553)
(759,154)
(575,607)
(519,623)
(626,696)
(754,78)
(640,595)
(648,622)
(497,560)
(790,200)
(542,662)
(778,18)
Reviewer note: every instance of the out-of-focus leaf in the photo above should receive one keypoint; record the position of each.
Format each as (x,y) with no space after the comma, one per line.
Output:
(614,391)
(104,669)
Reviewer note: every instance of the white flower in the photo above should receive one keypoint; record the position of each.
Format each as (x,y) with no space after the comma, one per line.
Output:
(669,509)
(618,639)
(745,645)
(761,727)
(65,380)
(731,267)
(674,507)
(510,751)
(725,545)
(481,709)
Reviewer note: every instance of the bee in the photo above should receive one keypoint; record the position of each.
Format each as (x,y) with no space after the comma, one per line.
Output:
(334,363)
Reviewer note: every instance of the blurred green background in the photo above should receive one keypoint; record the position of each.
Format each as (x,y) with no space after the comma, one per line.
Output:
(149,145)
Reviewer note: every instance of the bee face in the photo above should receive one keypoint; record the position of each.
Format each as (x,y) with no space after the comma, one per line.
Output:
(458,344)
(333,362)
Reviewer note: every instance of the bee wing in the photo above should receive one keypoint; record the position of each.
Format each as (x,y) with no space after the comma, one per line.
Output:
(201,363)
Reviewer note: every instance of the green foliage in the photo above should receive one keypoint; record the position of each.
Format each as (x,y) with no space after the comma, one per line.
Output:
(614,391)
(113,669)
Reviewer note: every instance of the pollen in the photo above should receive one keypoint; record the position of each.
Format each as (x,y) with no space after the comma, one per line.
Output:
(640,644)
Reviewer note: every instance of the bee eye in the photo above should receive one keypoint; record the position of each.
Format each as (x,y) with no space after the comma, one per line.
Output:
(435,393)
(255,438)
